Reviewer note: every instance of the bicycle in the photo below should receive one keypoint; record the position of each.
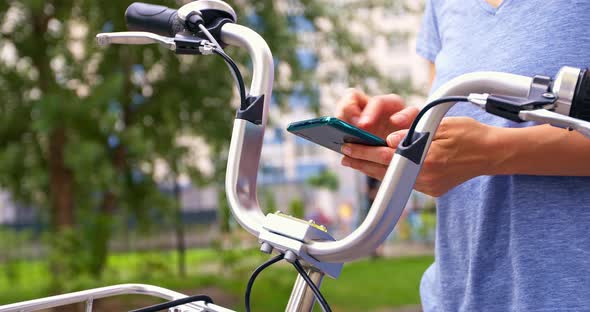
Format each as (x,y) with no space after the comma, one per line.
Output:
(198,28)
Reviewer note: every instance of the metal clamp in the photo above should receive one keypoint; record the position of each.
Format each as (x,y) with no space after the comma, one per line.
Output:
(290,236)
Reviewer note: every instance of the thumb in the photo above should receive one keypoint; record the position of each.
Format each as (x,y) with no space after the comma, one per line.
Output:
(394,139)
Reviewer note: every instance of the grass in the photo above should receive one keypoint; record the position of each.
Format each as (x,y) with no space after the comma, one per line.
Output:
(366,285)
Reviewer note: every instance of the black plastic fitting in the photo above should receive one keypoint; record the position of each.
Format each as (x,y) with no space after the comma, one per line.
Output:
(509,106)
(153,18)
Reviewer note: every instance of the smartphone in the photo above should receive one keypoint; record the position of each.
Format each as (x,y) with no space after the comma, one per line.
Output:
(331,132)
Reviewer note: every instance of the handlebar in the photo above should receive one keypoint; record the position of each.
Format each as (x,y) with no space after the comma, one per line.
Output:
(153,18)
(247,137)
(164,21)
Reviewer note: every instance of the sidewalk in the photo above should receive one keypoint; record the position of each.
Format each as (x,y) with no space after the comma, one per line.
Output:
(405,249)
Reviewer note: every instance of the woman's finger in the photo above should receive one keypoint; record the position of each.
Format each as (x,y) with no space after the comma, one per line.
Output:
(404,118)
(379,106)
(376,154)
(371,169)
(394,139)
(350,106)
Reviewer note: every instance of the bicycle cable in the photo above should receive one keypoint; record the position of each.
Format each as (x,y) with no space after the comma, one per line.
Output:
(409,137)
(174,303)
(314,288)
(234,69)
(255,274)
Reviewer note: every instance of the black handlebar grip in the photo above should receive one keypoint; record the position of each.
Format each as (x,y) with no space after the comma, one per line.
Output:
(152,18)
(581,102)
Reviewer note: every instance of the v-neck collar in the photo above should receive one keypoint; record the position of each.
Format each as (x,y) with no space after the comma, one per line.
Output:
(489,8)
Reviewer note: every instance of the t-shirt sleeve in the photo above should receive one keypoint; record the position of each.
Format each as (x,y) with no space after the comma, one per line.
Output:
(428,43)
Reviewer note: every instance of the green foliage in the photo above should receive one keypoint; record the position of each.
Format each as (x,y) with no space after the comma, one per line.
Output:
(428,226)
(224,213)
(271,290)
(325,179)
(297,208)
(268,200)
(362,284)
(68,260)
(9,242)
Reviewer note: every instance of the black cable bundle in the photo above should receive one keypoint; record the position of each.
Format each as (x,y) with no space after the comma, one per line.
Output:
(237,74)
(232,66)
(299,269)
(443,100)
(255,274)
(314,288)
(174,303)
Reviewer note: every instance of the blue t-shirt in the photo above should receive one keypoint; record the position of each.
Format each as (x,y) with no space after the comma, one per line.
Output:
(509,243)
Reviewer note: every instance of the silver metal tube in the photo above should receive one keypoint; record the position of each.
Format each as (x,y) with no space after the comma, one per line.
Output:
(97,293)
(246,142)
(89,304)
(135,37)
(302,297)
(262,61)
(564,86)
(90,295)
(557,120)
(402,173)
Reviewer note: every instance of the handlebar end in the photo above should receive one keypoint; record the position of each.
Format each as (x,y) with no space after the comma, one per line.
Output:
(102,40)
(152,18)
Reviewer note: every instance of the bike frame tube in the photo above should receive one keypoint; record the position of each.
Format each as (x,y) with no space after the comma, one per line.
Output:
(401,175)
(302,297)
(246,141)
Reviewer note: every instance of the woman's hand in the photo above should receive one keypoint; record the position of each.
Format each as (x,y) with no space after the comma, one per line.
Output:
(380,115)
(462,149)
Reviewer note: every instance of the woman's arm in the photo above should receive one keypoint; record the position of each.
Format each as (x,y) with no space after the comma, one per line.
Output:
(541,150)
(431,74)
(464,148)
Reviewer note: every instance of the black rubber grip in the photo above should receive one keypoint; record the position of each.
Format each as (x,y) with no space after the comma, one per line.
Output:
(152,18)
(581,103)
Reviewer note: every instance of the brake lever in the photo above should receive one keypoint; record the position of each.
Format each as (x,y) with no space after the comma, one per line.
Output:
(135,37)
(555,119)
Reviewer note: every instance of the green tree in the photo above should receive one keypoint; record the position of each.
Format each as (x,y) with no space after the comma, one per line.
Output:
(297,208)
(82,127)
(325,179)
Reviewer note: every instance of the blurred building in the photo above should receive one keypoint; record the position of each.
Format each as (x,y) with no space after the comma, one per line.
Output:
(17,215)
